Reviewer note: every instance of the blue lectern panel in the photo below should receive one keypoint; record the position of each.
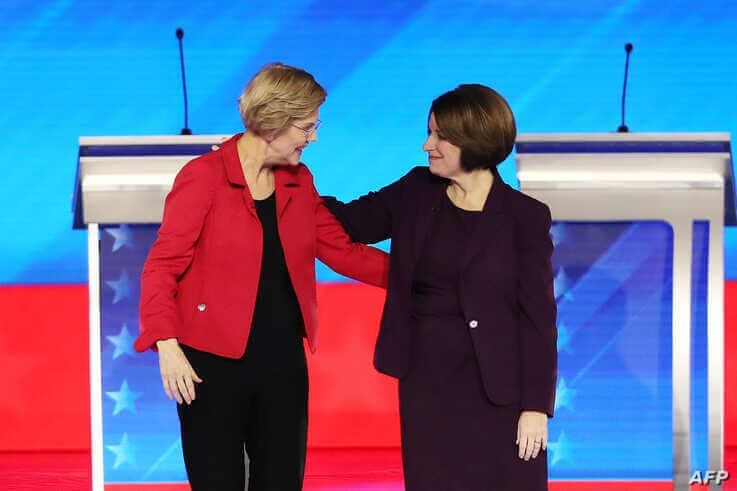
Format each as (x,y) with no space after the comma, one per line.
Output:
(699,395)
(140,426)
(613,409)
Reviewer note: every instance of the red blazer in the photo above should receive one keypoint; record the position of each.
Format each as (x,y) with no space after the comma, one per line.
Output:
(200,280)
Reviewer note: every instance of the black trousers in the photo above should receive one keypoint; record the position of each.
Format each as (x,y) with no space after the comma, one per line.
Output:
(239,406)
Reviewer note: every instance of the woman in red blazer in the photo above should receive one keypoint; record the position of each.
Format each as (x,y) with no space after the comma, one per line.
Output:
(228,289)
(469,321)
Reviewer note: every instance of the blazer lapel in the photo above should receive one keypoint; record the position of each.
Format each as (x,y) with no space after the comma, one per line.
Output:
(427,210)
(489,224)
(286,184)
(234,171)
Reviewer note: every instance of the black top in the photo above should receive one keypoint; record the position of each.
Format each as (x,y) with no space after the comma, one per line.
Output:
(275,340)
(435,282)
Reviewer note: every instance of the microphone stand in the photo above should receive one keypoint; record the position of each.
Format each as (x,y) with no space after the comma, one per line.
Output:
(185,130)
(628,49)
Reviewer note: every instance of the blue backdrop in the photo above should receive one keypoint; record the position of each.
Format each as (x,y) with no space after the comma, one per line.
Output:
(85,67)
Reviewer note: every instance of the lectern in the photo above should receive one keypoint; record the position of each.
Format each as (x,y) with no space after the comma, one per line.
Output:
(639,222)
(119,197)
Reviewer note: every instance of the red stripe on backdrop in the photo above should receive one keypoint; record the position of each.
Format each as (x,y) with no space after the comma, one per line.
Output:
(44,361)
(351,404)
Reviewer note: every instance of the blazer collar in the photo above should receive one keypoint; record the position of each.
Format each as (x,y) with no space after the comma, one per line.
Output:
(285,178)
(494,201)
(233,169)
(490,224)
(486,225)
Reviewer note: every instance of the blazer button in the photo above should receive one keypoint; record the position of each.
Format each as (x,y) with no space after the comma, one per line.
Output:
(473,324)
(201,307)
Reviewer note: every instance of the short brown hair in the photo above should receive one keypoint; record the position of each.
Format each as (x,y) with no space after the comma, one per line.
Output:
(278,95)
(477,119)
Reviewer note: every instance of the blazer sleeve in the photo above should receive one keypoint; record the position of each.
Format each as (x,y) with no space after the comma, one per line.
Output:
(185,209)
(538,312)
(335,248)
(372,217)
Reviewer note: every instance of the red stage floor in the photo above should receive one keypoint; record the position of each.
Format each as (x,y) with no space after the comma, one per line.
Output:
(327,470)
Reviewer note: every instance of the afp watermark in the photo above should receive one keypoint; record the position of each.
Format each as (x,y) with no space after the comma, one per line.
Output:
(708,477)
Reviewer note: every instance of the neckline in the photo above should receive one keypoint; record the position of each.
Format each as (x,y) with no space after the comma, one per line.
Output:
(271,196)
(450,201)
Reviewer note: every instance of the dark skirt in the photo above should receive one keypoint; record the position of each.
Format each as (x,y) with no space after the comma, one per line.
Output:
(453,437)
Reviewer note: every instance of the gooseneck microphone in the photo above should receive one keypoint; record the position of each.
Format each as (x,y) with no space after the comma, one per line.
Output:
(185,130)
(628,49)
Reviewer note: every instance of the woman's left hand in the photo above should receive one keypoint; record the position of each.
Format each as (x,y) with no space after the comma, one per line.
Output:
(532,434)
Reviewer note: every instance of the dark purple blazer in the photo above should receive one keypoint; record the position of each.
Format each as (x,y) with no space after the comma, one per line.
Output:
(506,286)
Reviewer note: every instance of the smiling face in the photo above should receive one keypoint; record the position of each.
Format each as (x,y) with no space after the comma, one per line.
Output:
(280,105)
(444,157)
(286,146)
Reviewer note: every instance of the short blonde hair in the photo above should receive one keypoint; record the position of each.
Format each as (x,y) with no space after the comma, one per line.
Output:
(278,95)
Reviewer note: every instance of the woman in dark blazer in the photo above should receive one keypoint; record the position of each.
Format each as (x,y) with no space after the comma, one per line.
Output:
(469,321)
(228,290)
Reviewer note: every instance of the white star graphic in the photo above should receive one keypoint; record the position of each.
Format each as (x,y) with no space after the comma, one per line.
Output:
(123,452)
(122,286)
(564,396)
(559,448)
(124,399)
(122,236)
(123,342)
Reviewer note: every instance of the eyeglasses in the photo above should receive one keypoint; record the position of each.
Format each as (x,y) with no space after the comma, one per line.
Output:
(309,129)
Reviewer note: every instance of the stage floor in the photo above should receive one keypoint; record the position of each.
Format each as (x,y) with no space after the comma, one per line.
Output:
(327,470)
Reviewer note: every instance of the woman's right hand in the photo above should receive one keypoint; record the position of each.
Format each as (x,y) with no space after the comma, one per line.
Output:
(215,148)
(177,375)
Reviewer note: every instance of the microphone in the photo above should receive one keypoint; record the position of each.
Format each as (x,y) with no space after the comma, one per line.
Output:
(185,130)
(628,49)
